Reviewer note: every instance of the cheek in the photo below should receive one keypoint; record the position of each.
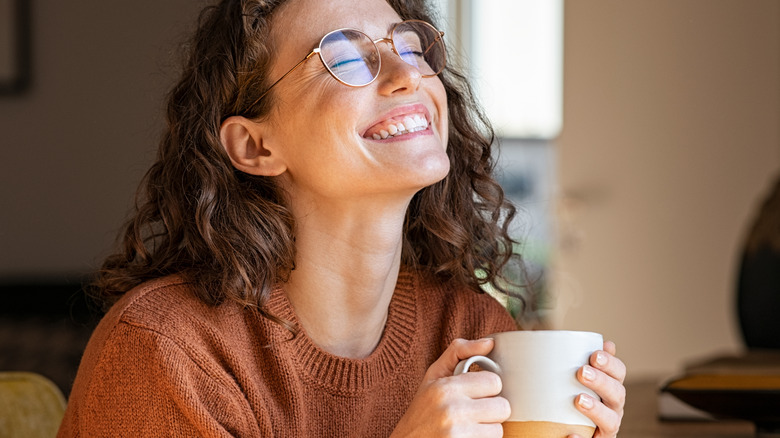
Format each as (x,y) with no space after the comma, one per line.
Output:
(440,100)
(322,113)
(445,130)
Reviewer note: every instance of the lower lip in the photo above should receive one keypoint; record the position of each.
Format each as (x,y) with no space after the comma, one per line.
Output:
(426,131)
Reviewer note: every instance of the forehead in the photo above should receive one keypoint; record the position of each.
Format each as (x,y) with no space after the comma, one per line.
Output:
(299,24)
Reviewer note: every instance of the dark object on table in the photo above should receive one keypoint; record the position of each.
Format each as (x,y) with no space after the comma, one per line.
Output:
(758,287)
(758,298)
(745,387)
(758,406)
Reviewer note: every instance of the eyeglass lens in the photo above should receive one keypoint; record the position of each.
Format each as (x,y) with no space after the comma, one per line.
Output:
(353,58)
(420,45)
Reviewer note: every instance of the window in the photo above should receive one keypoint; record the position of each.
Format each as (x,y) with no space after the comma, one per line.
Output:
(513,53)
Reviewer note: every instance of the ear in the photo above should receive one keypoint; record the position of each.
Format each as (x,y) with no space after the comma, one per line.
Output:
(247,148)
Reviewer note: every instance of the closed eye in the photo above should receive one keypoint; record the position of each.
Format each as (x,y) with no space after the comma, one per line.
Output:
(345,62)
(409,52)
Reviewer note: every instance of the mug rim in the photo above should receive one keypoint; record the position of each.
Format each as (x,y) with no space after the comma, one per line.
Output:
(548,332)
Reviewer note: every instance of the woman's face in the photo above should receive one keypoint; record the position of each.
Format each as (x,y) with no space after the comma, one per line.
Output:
(325,129)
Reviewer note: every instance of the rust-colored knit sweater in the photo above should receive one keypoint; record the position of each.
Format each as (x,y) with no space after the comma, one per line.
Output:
(164,364)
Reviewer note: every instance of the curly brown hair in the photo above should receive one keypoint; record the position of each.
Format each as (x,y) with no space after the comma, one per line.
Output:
(232,234)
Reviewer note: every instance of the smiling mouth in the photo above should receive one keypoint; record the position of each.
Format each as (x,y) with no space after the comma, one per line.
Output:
(397,126)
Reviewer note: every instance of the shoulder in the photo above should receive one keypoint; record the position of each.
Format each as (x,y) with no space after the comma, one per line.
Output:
(171,306)
(163,323)
(434,291)
(462,310)
(165,302)
(158,349)
(168,311)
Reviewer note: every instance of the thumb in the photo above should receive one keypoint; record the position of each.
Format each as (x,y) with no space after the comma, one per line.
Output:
(458,350)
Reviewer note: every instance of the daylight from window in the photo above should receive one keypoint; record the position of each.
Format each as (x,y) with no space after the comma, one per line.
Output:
(514,52)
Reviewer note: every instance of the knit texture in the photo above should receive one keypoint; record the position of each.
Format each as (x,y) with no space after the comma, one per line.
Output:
(163,363)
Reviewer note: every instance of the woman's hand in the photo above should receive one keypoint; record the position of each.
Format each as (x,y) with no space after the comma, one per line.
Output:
(466,405)
(605,376)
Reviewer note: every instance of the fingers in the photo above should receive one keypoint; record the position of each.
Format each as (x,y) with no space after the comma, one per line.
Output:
(490,430)
(465,402)
(611,391)
(610,347)
(479,431)
(495,410)
(471,397)
(473,385)
(466,405)
(607,420)
(605,376)
(458,350)
(608,363)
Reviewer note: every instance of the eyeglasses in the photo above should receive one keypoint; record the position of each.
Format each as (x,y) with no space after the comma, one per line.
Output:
(353,59)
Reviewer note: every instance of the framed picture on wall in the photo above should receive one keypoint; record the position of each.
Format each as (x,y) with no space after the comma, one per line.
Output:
(14,46)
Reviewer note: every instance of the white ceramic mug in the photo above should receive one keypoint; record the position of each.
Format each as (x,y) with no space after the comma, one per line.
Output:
(538,371)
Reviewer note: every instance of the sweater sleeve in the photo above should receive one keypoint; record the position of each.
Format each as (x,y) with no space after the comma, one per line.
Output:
(144,384)
(492,316)
(472,315)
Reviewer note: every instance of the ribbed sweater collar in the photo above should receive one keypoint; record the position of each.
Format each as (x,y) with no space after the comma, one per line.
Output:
(349,376)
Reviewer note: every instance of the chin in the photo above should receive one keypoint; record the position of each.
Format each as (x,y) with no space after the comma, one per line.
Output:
(433,169)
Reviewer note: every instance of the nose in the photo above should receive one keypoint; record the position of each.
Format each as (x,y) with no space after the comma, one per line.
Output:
(396,75)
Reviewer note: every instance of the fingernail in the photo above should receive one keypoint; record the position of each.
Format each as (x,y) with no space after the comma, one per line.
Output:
(585,402)
(601,358)
(588,373)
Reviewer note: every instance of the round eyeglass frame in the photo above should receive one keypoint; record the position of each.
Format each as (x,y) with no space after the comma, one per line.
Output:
(318,50)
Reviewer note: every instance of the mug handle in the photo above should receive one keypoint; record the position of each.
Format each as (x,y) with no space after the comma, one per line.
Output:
(484,362)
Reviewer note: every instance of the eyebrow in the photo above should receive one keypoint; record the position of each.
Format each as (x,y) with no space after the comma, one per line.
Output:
(387,32)
(390,28)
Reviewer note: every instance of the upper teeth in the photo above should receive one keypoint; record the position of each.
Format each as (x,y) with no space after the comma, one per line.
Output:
(408,124)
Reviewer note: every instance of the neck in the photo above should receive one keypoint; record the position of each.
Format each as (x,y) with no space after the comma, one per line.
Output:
(345,274)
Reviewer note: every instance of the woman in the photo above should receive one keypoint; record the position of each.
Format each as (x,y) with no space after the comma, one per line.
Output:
(308,253)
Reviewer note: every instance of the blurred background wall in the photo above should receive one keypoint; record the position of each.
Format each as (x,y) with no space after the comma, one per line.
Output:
(669,142)
(73,147)
(75,144)
(670,138)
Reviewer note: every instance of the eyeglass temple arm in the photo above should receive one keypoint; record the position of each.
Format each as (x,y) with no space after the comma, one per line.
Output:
(441,35)
(316,50)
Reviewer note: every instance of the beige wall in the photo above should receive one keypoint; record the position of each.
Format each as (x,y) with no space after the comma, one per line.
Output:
(75,145)
(671,124)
